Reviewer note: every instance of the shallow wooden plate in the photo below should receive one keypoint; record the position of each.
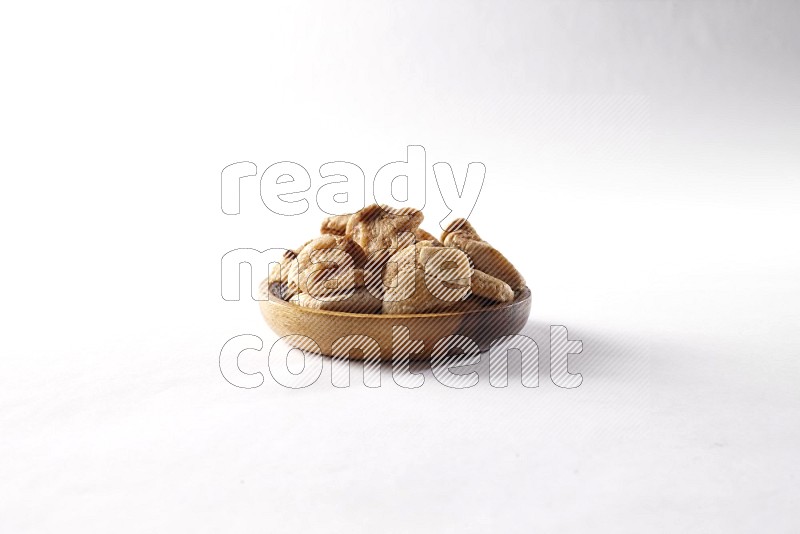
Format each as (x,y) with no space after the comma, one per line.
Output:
(298,325)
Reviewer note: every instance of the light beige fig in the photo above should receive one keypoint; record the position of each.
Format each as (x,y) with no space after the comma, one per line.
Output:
(485,257)
(381,230)
(335,224)
(489,287)
(417,279)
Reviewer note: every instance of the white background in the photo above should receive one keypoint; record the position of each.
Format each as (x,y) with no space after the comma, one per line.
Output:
(642,172)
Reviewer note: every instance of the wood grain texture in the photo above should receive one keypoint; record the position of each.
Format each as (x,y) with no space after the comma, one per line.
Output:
(482,324)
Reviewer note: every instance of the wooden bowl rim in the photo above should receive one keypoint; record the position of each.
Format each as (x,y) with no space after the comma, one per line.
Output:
(523,295)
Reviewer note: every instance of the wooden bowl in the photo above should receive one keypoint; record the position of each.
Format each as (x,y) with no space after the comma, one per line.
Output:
(483,325)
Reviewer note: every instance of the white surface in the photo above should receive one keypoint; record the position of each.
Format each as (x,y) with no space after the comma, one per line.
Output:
(642,171)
